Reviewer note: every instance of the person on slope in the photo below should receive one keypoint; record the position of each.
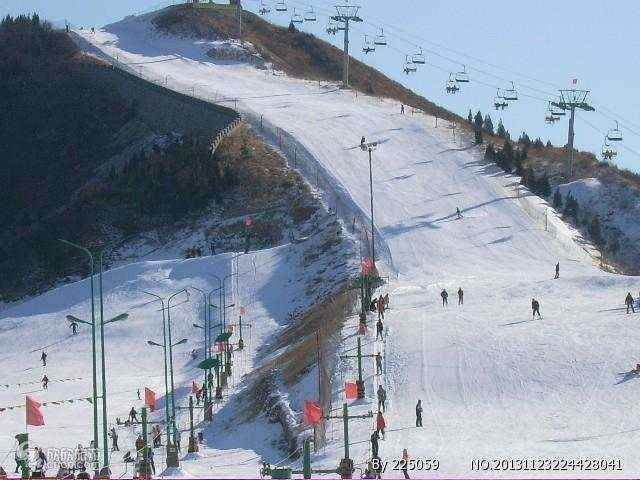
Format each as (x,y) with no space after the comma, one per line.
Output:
(373,305)
(363,143)
(380,424)
(401,109)
(445,298)
(374,443)
(535,307)
(629,302)
(379,330)
(378,363)
(382,398)
(74,328)
(139,446)
(380,305)
(81,458)
(458,213)
(419,413)
(386,301)
(460,296)
(114,439)
(133,415)
(405,463)
(557,271)
(43,357)
(45,382)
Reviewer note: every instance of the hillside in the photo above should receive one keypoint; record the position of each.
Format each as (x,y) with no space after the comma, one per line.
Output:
(494,383)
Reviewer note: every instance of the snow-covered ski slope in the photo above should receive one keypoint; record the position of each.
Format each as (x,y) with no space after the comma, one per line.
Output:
(269,288)
(494,384)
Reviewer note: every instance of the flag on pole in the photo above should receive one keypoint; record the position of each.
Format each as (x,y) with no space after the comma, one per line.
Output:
(34,415)
(195,388)
(220,346)
(351,389)
(150,398)
(312,412)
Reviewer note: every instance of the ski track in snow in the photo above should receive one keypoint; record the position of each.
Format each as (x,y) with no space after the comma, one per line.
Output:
(494,383)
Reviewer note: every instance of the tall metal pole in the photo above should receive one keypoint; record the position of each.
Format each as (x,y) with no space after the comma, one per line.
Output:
(345,419)
(105,442)
(373,243)
(170,347)
(345,72)
(94,356)
(571,138)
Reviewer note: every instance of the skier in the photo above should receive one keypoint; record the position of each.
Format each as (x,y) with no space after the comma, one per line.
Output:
(114,440)
(378,363)
(139,395)
(460,296)
(74,328)
(374,443)
(535,307)
(401,109)
(133,415)
(81,458)
(386,301)
(458,213)
(557,271)
(445,298)
(380,424)
(405,463)
(45,382)
(40,464)
(363,143)
(419,413)
(629,302)
(150,459)
(379,330)
(382,398)
(43,357)
(373,305)
(380,305)
(157,436)
(212,247)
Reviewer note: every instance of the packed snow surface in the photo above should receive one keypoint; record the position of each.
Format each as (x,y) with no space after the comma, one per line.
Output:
(494,383)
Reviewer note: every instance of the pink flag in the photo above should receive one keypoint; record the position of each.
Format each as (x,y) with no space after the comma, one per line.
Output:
(34,415)
(351,389)
(194,388)
(312,412)
(150,398)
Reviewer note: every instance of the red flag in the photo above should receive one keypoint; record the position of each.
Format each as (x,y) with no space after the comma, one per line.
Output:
(362,329)
(312,412)
(195,388)
(351,389)
(220,346)
(367,266)
(34,415)
(243,310)
(150,398)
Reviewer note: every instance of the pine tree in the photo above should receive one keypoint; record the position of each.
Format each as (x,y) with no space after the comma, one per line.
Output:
(549,145)
(524,140)
(506,157)
(501,131)
(557,199)
(544,187)
(478,136)
(595,232)
(538,143)
(470,117)
(477,121)
(487,124)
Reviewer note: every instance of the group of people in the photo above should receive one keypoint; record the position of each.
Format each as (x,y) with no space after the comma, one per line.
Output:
(445,297)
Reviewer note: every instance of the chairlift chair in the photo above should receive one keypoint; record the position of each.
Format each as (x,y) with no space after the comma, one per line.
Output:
(451,86)
(310,16)
(264,9)
(614,134)
(281,6)
(511,94)
(551,118)
(380,39)
(296,17)
(608,152)
(332,28)
(409,67)
(368,46)
(418,58)
(556,112)
(499,103)
(463,76)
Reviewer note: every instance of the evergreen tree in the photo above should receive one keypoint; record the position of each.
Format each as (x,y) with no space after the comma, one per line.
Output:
(544,187)
(505,157)
(477,121)
(557,199)
(595,232)
(470,117)
(501,131)
(549,145)
(487,124)
(538,143)
(478,136)
(524,140)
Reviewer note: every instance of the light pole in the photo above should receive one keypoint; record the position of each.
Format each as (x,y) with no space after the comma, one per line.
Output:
(173,405)
(370,147)
(93,350)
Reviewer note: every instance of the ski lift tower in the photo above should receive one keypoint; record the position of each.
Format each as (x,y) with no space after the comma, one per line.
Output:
(346,13)
(570,99)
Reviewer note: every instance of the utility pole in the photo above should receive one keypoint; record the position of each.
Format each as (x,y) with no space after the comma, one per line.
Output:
(346,14)
(359,356)
(346,464)
(370,147)
(570,99)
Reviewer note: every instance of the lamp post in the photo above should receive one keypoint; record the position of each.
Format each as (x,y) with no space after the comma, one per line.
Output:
(93,349)
(370,147)
(173,405)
